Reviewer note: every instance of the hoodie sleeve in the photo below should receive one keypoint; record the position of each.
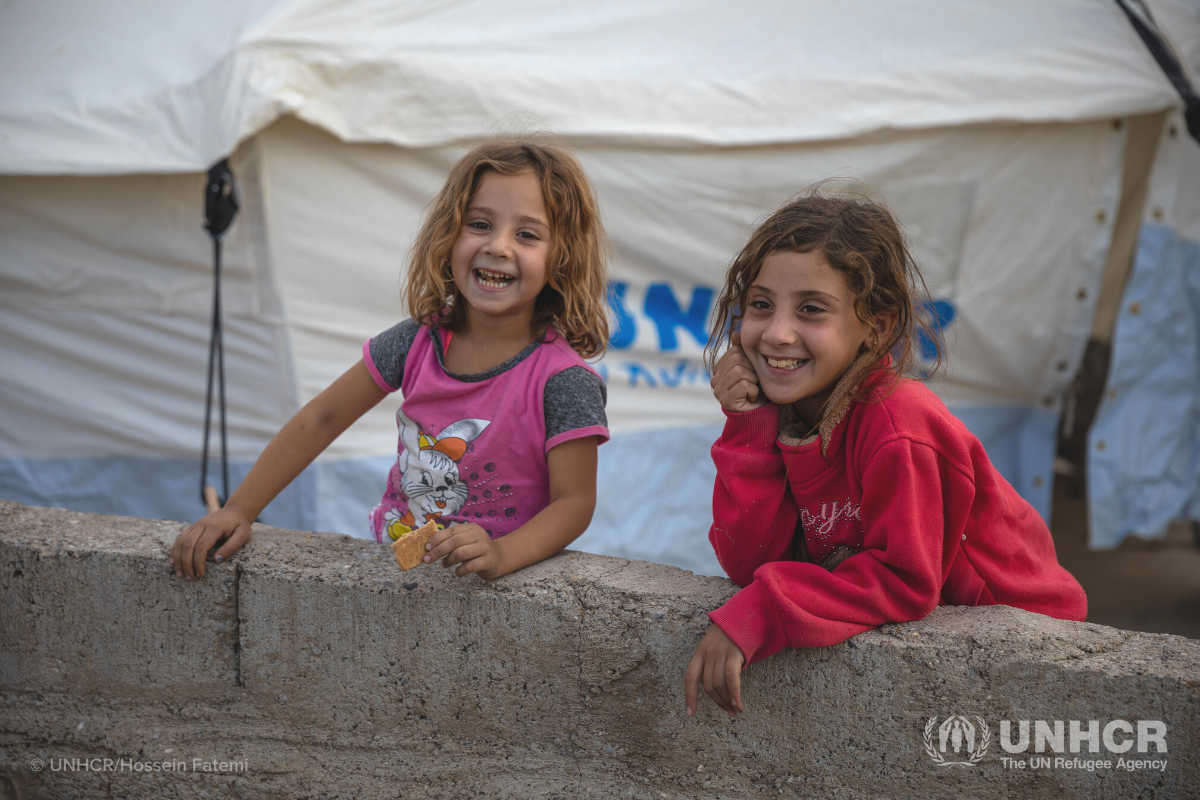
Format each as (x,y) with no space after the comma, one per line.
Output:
(897,577)
(754,515)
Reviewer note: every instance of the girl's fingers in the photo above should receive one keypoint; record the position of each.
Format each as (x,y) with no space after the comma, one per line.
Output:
(236,541)
(744,392)
(710,670)
(691,682)
(732,360)
(436,546)
(724,384)
(460,555)
(447,551)
(183,546)
(464,553)
(176,556)
(191,547)
(207,539)
(476,565)
(733,680)
(447,540)
(720,685)
(736,375)
(187,559)
(737,372)
(438,549)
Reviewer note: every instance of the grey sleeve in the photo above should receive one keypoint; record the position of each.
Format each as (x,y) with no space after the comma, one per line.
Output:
(573,399)
(389,349)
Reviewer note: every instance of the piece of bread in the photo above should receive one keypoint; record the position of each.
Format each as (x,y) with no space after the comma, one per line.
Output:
(409,549)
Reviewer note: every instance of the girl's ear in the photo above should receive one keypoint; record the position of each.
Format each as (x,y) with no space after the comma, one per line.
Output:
(885,325)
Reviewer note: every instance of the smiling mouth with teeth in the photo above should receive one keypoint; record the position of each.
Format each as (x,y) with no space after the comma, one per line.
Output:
(494,280)
(785,363)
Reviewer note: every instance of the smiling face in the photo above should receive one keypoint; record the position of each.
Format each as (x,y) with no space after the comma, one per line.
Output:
(800,330)
(500,258)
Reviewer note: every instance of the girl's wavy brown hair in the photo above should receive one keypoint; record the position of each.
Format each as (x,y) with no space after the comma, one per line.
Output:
(573,299)
(859,237)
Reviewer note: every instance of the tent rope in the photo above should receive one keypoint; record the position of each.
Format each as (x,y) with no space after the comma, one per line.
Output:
(220,208)
(1143,22)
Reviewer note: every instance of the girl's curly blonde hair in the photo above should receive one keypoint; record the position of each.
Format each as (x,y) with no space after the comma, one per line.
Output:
(573,299)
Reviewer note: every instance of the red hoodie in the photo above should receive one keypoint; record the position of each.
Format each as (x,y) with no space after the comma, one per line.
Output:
(909,490)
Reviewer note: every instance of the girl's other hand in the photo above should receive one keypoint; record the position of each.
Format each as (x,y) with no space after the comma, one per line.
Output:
(191,547)
(718,664)
(467,545)
(734,381)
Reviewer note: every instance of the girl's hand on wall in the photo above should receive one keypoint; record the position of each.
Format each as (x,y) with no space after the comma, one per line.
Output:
(191,547)
(718,665)
(734,381)
(467,545)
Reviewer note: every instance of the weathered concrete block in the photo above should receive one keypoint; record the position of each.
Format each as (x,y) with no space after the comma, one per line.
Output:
(89,610)
(313,667)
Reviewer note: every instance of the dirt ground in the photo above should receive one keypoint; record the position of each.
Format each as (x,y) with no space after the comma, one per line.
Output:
(1151,586)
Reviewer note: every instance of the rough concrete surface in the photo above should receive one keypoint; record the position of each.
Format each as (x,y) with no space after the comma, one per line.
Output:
(315,668)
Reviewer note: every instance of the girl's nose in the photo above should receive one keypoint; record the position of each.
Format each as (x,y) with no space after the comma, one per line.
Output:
(780,331)
(498,245)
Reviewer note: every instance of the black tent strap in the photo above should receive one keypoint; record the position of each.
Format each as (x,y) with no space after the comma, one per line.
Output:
(220,208)
(216,359)
(1168,62)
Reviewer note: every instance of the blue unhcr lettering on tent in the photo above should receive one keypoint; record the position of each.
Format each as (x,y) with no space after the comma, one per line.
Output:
(941,314)
(626,328)
(684,373)
(663,309)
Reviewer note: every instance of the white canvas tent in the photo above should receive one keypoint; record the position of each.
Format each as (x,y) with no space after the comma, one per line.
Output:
(1000,132)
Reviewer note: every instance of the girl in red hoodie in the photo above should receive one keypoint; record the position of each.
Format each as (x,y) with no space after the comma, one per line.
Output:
(847,495)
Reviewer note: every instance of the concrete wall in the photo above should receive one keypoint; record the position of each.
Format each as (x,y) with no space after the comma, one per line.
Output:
(328,673)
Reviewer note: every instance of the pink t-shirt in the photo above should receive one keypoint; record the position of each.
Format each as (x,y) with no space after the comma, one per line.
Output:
(472,448)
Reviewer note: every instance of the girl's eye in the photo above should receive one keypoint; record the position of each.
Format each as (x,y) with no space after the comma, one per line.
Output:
(761,305)
(479,225)
(809,308)
(529,235)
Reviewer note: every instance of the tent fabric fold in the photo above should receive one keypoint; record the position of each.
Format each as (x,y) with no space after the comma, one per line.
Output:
(712,73)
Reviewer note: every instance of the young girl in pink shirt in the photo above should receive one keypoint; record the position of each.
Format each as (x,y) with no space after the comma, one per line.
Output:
(501,416)
(847,495)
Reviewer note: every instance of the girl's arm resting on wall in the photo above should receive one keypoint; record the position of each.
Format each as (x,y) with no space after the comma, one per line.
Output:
(754,514)
(572,467)
(298,443)
(897,577)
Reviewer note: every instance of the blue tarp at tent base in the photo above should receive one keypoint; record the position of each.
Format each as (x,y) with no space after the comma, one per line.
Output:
(1144,447)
